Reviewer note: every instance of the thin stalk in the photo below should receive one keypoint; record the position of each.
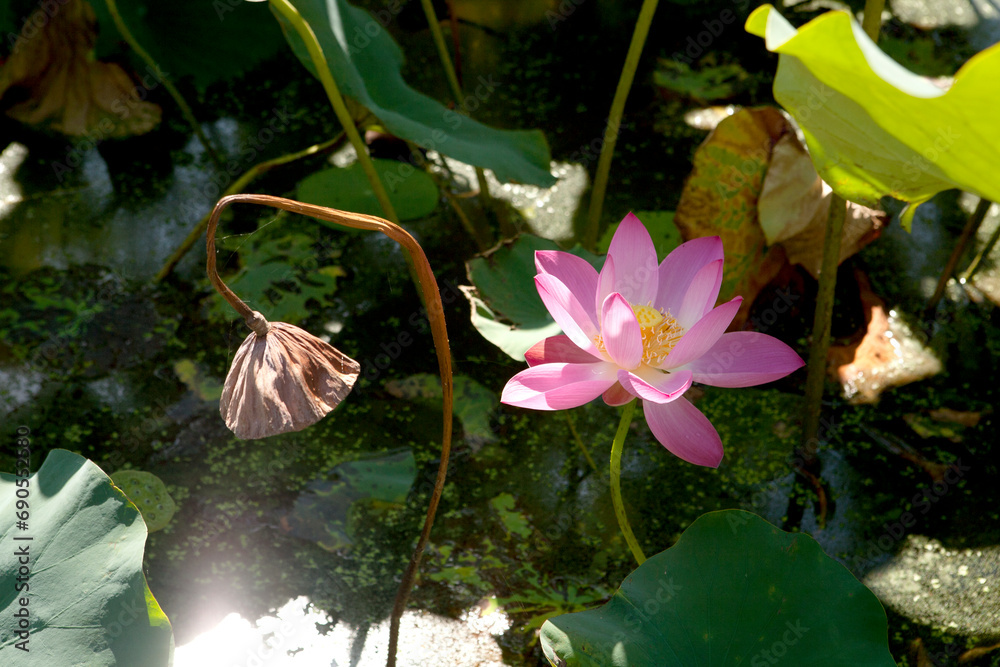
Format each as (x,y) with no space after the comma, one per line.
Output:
(983,253)
(481,235)
(614,122)
(616,483)
(171,89)
(821,325)
(288,11)
(240,183)
(578,440)
(456,89)
(968,232)
(427,286)
(872,22)
(820,346)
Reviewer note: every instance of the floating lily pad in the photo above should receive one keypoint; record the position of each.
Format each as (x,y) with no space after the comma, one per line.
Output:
(506,308)
(474,404)
(734,590)
(89,602)
(873,127)
(412,192)
(149,494)
(278,277)
(322,512)
(365,62)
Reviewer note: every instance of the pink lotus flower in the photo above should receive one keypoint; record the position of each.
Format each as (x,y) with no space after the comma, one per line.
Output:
(644,330)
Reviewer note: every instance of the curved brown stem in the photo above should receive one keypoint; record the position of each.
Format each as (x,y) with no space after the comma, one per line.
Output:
(427,285)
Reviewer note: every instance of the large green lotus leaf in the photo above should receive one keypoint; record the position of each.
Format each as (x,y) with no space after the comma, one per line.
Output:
(365,62)
(88,603)
(506,308)
(733,590)
(873,127)
(412,192)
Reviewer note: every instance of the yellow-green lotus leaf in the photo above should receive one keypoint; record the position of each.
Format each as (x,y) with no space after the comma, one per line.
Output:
(873,127)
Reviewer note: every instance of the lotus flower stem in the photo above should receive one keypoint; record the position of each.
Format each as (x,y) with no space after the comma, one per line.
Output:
(167,83)
(427,286)
(872,22)
(614,122)
(616,483)
(244,180)
(288,11)
(827,285)
(968,232)
(456,91)
(821,326)
(579,441)
(983,252)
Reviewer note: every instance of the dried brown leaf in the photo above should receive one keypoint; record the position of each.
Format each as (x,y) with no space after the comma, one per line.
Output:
(963,417)
(794,205)
(52,81)
(720,198)
(284,381)
(888,355)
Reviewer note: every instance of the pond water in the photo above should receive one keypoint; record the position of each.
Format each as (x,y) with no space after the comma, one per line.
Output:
(280,548)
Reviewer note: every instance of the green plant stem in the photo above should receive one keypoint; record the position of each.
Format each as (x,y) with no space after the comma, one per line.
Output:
(872,22)
(819,348)
(480,233)
(427,286)
(614,122)
(456,89)
(171,89)
(288,11)
(244,180)
(616,483)
(968,232)
(578,440)
(821,325)
(983,253)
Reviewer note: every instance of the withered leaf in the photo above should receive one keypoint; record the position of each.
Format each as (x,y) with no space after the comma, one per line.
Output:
(794,205)
(888,355)
(754,185)
(52,81)
(720,198)
(284,381)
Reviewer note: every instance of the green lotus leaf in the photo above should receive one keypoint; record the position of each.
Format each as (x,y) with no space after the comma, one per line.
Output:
(474,404)
(322,512)
(733,590)
(365,62)
(873,127)
(87,599)
(412,192)
(506,308)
